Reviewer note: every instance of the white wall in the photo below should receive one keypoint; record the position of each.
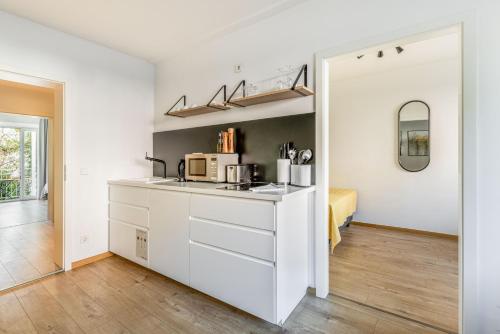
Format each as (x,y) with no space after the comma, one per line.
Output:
(293,36)
(109,100)
(364,146)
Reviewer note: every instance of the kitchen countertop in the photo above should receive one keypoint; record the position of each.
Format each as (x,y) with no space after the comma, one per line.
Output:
(210,188)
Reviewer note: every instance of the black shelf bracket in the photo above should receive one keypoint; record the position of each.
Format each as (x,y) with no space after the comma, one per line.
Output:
(182,98)
(242,84)
(303,70)
(209,104)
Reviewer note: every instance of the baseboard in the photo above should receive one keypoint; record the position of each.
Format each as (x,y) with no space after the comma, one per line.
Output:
(408,230)
(89,260)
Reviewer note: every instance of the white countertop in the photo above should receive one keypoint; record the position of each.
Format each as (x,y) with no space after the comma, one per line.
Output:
(211,188)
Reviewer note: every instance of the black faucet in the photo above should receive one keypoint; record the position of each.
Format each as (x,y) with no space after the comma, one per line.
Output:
(160,161)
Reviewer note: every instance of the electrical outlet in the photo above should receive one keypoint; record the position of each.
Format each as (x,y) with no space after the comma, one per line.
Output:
(84,239)
(237,68)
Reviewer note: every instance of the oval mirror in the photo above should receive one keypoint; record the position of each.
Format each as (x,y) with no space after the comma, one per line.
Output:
(414,136)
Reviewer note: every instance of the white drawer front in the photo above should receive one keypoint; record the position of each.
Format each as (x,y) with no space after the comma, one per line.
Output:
(129,195)
(248,241)
(123,241)
(129,214)
(251,213)
(238,280)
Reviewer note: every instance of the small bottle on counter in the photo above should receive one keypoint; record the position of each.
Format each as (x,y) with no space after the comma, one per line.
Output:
(219,143)
(231,140)
(225,142)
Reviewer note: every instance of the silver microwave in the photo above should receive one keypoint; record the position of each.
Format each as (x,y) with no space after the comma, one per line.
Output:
(208,167)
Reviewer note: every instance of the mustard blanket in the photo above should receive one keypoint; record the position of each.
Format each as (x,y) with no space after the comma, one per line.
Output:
(343,204)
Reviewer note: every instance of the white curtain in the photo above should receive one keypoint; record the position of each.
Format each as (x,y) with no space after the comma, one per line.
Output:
(42,161)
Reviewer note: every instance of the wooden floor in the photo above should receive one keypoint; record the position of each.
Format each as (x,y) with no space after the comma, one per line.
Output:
(412,275)
(22,212)
(26,247)
(117,296)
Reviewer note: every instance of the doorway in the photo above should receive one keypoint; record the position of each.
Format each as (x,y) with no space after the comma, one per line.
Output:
(375,235)
(31,192)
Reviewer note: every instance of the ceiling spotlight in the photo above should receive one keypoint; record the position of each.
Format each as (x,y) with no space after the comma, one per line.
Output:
(360,56)
(380,54)
(399,49)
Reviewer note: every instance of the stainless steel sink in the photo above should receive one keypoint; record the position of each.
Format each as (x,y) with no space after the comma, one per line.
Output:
(159,180)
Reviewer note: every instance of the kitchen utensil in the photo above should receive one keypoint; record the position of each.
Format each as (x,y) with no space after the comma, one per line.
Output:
(292,153)
(307,156)
(300,157)
(304,156)
(238,173)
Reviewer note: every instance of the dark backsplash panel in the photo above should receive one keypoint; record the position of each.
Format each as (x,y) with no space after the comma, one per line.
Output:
(257,141)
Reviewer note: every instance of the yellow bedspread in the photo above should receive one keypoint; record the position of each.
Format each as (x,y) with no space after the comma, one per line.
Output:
(343,204)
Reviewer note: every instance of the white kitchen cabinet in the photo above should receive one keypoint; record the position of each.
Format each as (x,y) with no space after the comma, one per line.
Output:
(128,223)
(246,212)
(169,234)
(129,195)
(249,252)
(239,280)
(253,242)
(129,241)
(131,214)
(252,254)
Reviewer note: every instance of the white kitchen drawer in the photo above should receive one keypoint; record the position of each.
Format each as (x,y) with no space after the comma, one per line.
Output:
(241,281)
(251,213)
(245,240)
(123,241)
(129,214)
(129,195)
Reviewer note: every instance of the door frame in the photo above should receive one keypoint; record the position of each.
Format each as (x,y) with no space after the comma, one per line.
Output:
(57,136)
(467,169)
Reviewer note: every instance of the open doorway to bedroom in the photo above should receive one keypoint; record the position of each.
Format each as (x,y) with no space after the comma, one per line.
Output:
(31,239)
(395,190)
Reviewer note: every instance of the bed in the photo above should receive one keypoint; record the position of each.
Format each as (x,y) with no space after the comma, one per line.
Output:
(342,205)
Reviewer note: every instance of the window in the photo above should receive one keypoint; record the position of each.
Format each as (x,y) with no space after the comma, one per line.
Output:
(18,165)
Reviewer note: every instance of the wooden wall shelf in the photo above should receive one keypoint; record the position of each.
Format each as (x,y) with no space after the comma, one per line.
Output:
(204,109)
(276,95)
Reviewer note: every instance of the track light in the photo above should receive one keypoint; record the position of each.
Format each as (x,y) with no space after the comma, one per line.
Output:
(380,54)
(360,56)
(399,49)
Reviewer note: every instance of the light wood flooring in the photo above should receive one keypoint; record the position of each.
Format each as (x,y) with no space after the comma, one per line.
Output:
(408,274)
(26,248)
(22,212)
(117,296)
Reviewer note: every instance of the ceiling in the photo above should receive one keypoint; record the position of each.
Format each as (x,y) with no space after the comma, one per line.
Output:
(149,29)
(436,48)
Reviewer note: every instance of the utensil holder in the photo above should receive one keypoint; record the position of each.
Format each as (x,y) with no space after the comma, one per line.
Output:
(301,175)
(283,171)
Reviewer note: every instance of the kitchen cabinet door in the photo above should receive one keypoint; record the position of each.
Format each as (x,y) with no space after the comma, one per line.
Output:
(129,241)
(242,281)
(169,234)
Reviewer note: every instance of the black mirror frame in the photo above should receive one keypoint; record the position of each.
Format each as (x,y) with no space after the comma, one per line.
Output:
(399,135)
